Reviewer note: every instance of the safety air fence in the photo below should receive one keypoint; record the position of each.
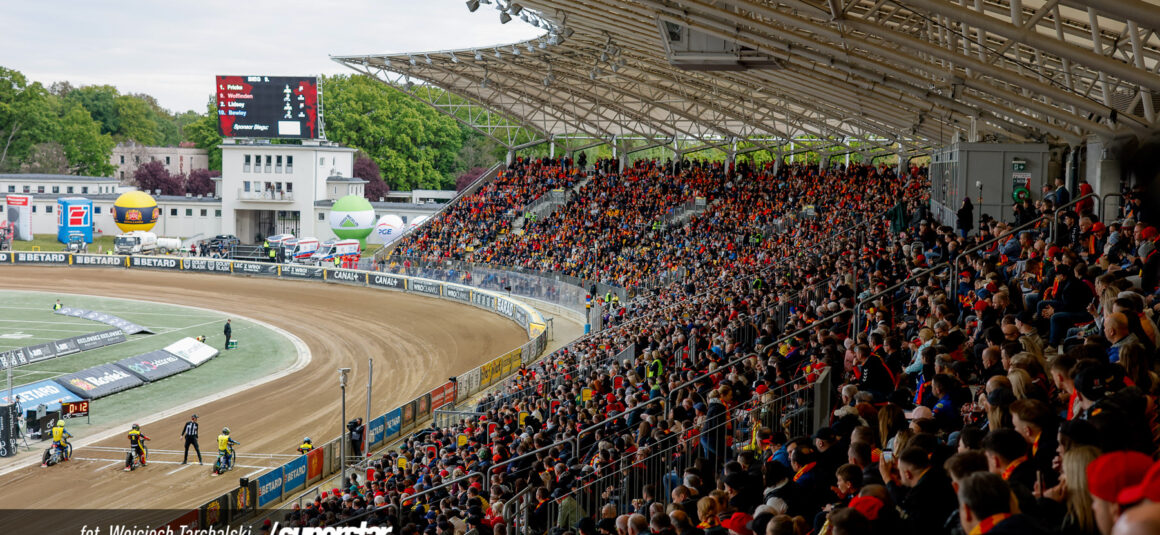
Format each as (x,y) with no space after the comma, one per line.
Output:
(306,470)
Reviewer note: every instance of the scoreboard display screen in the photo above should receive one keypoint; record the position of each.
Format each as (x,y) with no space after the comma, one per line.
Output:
(267,106)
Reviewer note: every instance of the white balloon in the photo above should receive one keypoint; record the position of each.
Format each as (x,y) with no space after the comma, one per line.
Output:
(388,229)
(418,221)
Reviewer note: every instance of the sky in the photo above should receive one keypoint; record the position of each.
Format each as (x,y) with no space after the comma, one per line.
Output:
(173,50)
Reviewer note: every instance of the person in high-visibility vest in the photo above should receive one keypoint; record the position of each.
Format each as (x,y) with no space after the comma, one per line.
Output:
(655,368)
(273,253)
(57,306)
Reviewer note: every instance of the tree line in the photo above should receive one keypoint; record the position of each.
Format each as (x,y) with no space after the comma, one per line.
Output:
(72,130)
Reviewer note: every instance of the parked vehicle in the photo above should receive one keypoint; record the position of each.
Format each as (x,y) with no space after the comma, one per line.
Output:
(343,249)
(135,242)
(76,243)
(303,249)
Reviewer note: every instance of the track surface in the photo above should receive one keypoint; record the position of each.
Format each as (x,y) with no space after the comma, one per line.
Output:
(416,342)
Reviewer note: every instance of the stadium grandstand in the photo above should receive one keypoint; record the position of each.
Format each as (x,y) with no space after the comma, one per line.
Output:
(878,338)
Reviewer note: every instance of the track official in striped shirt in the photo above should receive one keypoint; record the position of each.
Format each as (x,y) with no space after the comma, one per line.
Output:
(190,434)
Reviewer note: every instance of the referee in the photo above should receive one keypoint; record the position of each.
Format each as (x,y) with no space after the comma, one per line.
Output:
(190,434)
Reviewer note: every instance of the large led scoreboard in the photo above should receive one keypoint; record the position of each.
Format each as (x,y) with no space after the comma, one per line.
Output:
(267,106)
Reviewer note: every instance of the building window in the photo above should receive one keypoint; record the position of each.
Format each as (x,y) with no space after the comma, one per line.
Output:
(11,189)
(84,189)
(278,164)
(189,212)
(97,210)
(246,164)
(269,162)
(136,159)
(48,209)
(289,187)
(321,161)
(289,164)
(173,212)
(321,216)
(217,213)
(40,189)
(122,175)
(246,186)
(34,208)
(166,160)
(122,159)
(56,189)
(203,212)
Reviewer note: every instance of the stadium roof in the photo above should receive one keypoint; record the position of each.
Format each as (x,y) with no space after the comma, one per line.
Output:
(904,75)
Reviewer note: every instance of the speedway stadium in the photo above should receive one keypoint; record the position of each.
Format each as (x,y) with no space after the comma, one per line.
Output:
(890,245)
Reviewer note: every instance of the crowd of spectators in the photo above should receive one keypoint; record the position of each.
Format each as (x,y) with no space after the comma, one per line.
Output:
(1008,390)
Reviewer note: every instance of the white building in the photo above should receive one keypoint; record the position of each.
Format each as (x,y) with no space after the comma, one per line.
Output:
(180,160)
(264,189)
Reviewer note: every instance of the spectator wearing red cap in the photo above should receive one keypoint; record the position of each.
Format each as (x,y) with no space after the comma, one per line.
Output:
(1109,475)
(1148,489)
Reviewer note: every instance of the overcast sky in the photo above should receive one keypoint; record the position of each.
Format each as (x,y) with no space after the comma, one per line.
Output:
(173,50)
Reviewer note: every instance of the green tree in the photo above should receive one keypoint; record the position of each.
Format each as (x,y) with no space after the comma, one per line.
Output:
(86,148)
(203,132)
(27,117)
(136,121)
(413,144)
(100,100)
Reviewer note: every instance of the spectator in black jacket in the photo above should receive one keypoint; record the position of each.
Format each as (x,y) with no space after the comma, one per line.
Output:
(985,507)
(872,374)
(923,492)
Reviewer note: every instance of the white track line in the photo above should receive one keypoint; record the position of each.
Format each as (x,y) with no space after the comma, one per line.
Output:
(155,461)
(301,362)
(110,465)
(176,470)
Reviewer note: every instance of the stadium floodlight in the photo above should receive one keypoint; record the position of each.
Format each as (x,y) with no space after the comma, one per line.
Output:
(472,5)
(504,18)
(515,9)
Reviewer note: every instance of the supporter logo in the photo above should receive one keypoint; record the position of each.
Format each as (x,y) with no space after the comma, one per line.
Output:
(107,378)
(167,263)
(242,501)
(503,306)
(97,260)
(273,485)
(133,215)
(55,258)
(78,216)
(386,280)
(344,276)
(81,384)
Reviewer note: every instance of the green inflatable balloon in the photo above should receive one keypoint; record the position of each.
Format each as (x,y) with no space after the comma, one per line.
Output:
(352,218)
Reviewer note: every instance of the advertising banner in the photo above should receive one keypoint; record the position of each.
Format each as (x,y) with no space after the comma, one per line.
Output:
(242,501)
(408,413)
(205,264)
(375,434)
(425,287)
(314,464)
(437,397)
(154,365)
(40,352)
(101,317)
(459,293)
(190,520)
(302,272)
(20,216)
(295,475)
(269,486)
(424,409)
(101,339)
(393,424)
(388,281)
(256,268)
(483,300)
(192,351)
(99,381)
(5,258)
(155,262)
(520,315)
(47,392)
(215,513)
(345,275)
(40,258)
(505,307)
(99,260)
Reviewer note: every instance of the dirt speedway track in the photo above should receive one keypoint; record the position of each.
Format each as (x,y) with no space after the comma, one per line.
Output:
(417,343)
